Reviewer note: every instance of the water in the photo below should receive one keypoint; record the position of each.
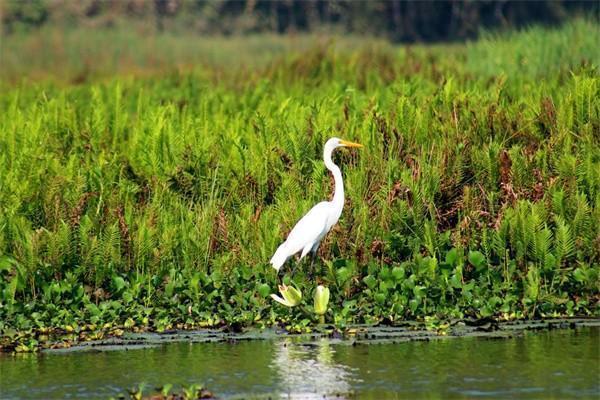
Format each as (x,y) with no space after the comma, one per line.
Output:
(554,364)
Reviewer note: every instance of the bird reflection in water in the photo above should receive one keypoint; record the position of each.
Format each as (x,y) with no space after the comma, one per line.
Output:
(309,371)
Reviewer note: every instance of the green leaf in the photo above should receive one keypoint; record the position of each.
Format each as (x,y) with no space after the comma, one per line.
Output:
(477,259)
(413,305)
(343,274)
(419,291)
(398,273)
(6,263)
(452,257)
(264,290)
(127,296)
(384,273)
(166,389)
(486,311)
(579,275)
(118,283)
(370,281)
(380,298)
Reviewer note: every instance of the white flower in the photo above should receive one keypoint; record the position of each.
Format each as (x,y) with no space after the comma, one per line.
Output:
(291,296)
(321,300)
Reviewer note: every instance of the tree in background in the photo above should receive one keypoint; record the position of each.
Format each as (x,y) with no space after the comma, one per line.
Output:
(395,19)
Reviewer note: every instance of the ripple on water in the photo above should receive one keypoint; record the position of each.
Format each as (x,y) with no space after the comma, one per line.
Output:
(555,364)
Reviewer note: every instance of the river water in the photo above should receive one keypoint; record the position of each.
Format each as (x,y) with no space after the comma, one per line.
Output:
(555,364)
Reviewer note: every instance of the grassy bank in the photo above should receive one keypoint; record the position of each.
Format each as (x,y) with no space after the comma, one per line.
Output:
(156,202)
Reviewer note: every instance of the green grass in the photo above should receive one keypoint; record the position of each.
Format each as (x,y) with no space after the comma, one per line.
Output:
(156,202)
(90,55)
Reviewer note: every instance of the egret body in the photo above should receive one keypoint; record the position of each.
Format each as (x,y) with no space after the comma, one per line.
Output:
(310,230)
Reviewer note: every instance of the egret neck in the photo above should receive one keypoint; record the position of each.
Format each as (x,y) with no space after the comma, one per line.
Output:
(338,195)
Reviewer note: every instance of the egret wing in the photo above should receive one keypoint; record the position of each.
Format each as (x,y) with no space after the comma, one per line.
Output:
(310,229)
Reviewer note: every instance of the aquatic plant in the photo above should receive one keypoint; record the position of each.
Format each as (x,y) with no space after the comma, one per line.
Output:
(155,203)
(321,300)
(291,296)
(190,392)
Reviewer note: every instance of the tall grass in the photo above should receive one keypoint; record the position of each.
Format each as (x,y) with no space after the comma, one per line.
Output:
(161,199)
(78,55)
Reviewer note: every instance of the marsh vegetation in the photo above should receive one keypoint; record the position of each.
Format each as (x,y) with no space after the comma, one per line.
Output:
(154,201)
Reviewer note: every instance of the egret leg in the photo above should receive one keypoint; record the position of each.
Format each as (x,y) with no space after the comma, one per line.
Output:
(314,251)
(313,255)
(296,262)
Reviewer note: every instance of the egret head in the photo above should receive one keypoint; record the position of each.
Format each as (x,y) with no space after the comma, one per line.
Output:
(335,142)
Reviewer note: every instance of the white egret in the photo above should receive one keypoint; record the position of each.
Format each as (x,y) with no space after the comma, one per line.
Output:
(310,230)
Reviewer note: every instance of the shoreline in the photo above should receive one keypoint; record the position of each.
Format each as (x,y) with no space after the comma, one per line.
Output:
(407,331)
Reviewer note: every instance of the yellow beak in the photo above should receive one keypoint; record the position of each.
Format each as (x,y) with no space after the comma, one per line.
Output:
(350,144)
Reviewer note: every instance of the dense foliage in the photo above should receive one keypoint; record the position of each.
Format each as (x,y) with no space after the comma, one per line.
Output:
(157,202)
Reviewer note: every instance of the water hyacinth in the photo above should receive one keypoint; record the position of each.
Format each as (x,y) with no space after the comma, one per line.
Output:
(513,181)
(291,296)
(321,299)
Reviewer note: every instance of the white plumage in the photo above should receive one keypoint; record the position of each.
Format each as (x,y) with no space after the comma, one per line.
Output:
(310,230)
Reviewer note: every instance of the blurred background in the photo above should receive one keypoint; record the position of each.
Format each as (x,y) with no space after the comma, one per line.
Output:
(75,41)
(393,19)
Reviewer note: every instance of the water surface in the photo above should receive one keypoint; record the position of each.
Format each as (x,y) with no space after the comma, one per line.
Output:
(555,364)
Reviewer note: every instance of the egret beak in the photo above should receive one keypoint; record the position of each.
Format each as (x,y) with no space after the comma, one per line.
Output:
(346,143)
